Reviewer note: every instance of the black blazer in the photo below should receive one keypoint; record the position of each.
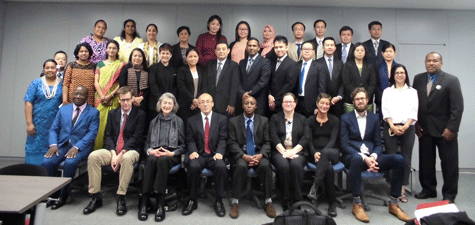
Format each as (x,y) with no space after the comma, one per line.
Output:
(282,80)
(351,79)
(177,59)
(186,88)
(334,85)
(338,50)
(256,81)
(133,131)
(237,136)
(224,93)
(375,60)
(299,131)
(314,85)
(444,106)
(161,79)
(195,135)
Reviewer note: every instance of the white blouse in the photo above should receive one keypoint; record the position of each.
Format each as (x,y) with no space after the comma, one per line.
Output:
(400,105)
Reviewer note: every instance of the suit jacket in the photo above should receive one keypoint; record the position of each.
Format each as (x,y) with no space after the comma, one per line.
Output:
(224,93)
(292,52)
(237,136)
(256,80)
(133,133)
(444,106)
(282,80)
(161,79)
(350,136)
(195,135)
(375,60)
(299,131)
(380,82)
(177,59)
(82,135)
(185,86)
(333,85)
(338,50)
(314,84)
(352,79)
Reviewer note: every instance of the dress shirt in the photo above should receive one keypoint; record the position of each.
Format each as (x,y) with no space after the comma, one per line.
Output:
(307,67)
(374,41)
(364,151)
(252,127)
(253,60)
(400,105)
(281,59)
(222,63)
(203,117)
(348,46)
(81,109)
(122,117)
(288,129)
(319,48)
(328,64)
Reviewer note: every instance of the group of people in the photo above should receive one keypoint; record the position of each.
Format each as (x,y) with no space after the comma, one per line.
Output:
(249,104)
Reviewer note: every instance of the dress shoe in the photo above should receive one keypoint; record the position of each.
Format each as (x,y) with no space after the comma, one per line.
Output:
(270,211)
(219,209)
(121,207)
(189,207)
(359,213)
(425,194)
(92,206)
(286,205)
(234,211)
(312,194)
(332,209)
(143,212)
(59,203)
(395,210)
(160,214)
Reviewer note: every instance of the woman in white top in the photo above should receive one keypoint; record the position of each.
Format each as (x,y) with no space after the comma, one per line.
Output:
(128,40)
(150,47)
(399,105)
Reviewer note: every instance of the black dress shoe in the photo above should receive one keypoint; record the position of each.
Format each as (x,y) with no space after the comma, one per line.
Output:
(143,212)
(59,203)
(160,214)
(332,209)
(93,205)
(121,207)
(189,207)
(219,209)
(425,194)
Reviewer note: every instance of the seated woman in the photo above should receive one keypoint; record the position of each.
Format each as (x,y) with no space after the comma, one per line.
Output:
(165,144)
(288,133)
(323,133)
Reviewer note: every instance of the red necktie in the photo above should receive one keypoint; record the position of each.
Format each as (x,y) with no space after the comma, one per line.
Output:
(207,136)
(120,140)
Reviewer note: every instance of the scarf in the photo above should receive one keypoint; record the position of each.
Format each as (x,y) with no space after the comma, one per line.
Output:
(132,80)
(146,49)
(155,131)
(268,45)
(108,75)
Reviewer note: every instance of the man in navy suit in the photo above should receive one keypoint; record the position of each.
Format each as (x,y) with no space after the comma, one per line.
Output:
(375,44)
(362,151)
(206,135)
(71,138)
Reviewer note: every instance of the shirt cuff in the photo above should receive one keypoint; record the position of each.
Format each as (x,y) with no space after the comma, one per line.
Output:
(76,147)
(363,156)
(374,155)
(341,98)
(53,145)
(148,151)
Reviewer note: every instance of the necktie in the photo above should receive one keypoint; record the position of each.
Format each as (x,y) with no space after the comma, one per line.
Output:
(249,139)
(120,140)
(207,136)
(344,56)
(249,64)
(218,72)
(429,85)
(78,110)
(299,49)
(319,50)
(330,67)
(278,64)
(302,74)
(376,45)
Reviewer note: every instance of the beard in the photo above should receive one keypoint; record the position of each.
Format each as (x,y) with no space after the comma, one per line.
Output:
(360,108)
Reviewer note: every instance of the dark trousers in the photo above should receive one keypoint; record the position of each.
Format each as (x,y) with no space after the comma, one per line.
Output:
(155,174)
(263,170)
(195,166)
(290,173)
(301,107)
(406,142)
(356,165)
(449,160)
(325,172)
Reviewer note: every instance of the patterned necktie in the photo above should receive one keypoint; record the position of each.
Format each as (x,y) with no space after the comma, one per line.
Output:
(330,67)
(376,45)
(344,56)
(249,64)
(207,150)
(429,85)
(78,110)
(120,140)
(250,149)
(302,75)
(299,49)
(278,64)
(218,72)
(319,50)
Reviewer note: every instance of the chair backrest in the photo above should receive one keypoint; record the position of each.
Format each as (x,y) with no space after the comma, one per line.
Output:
(24,170)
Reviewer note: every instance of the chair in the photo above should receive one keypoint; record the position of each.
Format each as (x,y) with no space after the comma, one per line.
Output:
(205,174)
(81,169)
(338,169)
(365,177)
(249,192)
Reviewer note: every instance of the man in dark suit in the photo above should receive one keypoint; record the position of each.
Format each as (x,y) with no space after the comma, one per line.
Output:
(71,138)
(310,83)
(282,79)
(123,138)
(254,75)
(333,85)
(345,49)
(320,26)
(206,135)
(375,44)
(222,79)
(249,142)
(440,113)
(362,151)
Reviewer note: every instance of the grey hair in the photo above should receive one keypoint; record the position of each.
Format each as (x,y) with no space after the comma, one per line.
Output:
(170,96)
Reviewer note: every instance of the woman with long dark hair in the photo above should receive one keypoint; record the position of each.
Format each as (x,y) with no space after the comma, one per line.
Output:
(128,40)
(189,81)
(206,43)
(238,46)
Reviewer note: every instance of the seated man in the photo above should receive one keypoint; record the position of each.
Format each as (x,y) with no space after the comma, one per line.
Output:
(71,138)
(362,150)
(249,142)
(206,135)
(123,136)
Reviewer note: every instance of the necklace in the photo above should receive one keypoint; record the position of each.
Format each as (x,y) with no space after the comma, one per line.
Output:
(321,120)
(46,91)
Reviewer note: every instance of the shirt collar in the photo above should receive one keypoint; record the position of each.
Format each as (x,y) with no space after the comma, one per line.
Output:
(282,59)
(326,57)
(319,39)
(222,62)
(246,118)
(374,40)
(81,108)
(308,62)
(253,58)
(403,88)
(128,113)
(358,115)
(203,116)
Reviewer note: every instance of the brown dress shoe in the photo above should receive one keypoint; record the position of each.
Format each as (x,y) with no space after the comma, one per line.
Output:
(395,210)
(359,213)
(270,211)
(234,211)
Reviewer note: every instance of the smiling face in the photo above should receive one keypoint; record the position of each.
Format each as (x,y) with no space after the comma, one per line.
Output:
(298,31)
(222,51)
(267,33)
(320,29)
(288,103)
(346,36)
(192,58)
(243,31)
(214,26)
(280,48)
(184,36)
(79,96)
(50,70)
(433,63)
(112,50)
(137,58)
(83,54)
(252,47)
(329,47)
(205,103)
(166,106)
(100,29)
(61,59)
(323,105)
(165,56)
(307,51)
(125,101)
(400,76)
(129,28)
(389,54)
(359,52)
(151,33)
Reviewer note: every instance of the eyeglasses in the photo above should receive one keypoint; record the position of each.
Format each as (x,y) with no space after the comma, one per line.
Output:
(243,30)
(307,49)
(360,99)
(125,100)
(288,102)
(400,72)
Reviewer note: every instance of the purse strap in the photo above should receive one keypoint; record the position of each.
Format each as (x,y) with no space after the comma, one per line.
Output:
(304,203)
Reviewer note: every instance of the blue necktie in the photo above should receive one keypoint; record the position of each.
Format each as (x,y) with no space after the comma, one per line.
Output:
(299,48)
(302,75)
(249,139)
(343,54)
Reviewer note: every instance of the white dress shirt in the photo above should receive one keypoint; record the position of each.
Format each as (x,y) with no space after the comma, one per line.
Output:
(203,116)
(364,151)
(400,105)
(307,67)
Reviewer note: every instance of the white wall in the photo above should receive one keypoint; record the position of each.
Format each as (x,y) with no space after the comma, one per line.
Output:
(34,31)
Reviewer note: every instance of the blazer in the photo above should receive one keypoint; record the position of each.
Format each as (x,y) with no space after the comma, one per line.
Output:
(339,48)
(82,135)
(333,85)
(195,135)
(133,133)
(282,80)
(350,136)
(375,60)
(314,84)
(161,79)
(256,80)
(444,106)
(299,131)
(224,93)
(177,59)
(352,79)
(292,51)
(237,136)
(186,87)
